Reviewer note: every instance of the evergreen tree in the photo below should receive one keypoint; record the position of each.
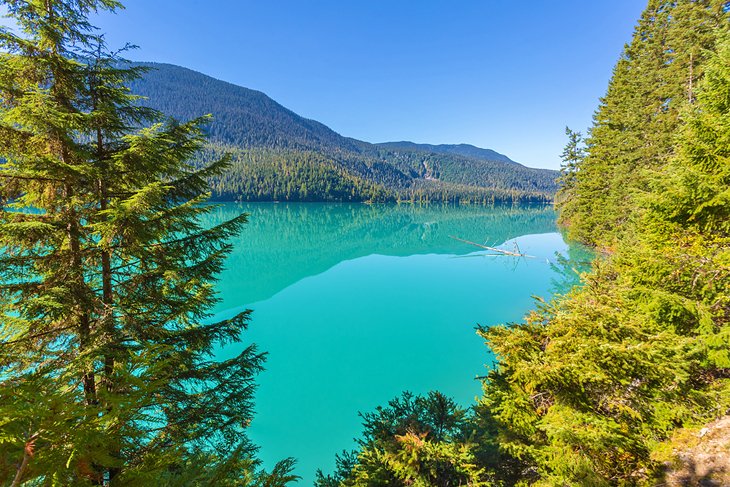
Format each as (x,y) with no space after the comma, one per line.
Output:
(593,385)
(107,367)
(572,156)
(633,130)
(415,440)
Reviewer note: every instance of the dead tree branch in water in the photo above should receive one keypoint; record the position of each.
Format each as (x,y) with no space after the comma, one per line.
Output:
(494,249)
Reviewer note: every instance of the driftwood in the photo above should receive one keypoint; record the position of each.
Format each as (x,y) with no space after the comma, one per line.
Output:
(493,249)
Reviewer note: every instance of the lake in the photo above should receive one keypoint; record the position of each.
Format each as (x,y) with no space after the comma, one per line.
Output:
(356,303)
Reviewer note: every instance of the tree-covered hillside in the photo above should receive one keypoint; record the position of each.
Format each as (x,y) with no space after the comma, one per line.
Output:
(602,386)
(465,150)
(280,155)
(242,117)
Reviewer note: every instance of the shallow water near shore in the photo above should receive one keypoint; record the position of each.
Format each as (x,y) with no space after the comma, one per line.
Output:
(356,303)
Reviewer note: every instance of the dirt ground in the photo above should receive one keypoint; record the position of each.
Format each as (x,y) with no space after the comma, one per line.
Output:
(705,462)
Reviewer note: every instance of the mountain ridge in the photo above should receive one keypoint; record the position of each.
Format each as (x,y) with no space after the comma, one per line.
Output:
(279,154)
(465,150)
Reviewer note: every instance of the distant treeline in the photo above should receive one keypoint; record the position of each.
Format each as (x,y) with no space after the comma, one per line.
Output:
(295,175)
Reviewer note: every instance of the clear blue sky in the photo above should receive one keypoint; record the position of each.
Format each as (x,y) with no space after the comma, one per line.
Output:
(503,74)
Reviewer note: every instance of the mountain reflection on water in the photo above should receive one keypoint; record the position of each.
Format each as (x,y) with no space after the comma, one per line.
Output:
(286,242)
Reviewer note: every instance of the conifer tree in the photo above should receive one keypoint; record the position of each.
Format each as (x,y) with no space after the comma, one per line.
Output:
(633,131)
(107,367)
(417,441)
(572,156)
(592,386)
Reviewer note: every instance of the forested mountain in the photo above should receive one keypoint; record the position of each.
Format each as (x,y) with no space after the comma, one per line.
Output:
(465,150)
(604,385)
(241,117)
(279,155)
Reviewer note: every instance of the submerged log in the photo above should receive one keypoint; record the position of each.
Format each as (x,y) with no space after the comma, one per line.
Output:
(494,249)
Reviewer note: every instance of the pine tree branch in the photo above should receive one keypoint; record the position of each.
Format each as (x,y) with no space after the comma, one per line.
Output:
(31,178)
(39,335)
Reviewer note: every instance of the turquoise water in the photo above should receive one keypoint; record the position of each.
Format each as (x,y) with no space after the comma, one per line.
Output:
(356,303)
